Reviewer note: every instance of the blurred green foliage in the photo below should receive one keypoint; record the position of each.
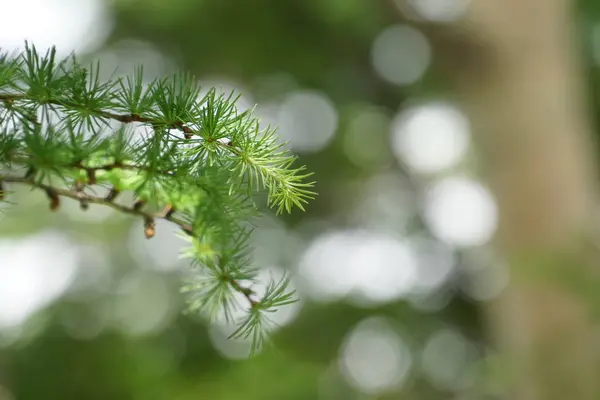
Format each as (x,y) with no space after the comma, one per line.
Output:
(322,45)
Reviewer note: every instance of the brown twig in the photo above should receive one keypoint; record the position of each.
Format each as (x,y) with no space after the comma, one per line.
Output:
(124,118)
(137,209)
(80,195)
(247,292)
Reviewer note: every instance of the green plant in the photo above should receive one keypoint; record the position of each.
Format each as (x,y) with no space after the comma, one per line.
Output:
(64,131)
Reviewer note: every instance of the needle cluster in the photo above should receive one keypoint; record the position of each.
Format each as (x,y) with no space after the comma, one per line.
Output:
(189,157)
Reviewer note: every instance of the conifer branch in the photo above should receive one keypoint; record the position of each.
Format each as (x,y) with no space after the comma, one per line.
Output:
(57,122)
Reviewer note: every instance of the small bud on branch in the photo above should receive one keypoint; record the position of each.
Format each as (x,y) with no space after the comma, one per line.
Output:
(54,199)
(149,227)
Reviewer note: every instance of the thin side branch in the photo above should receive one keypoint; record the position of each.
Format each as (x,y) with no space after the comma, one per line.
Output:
(123,118)
(137,209)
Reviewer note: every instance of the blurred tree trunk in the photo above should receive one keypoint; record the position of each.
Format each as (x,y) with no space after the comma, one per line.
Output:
(516,67)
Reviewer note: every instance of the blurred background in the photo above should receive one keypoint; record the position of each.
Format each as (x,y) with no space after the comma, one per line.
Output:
(431,126)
